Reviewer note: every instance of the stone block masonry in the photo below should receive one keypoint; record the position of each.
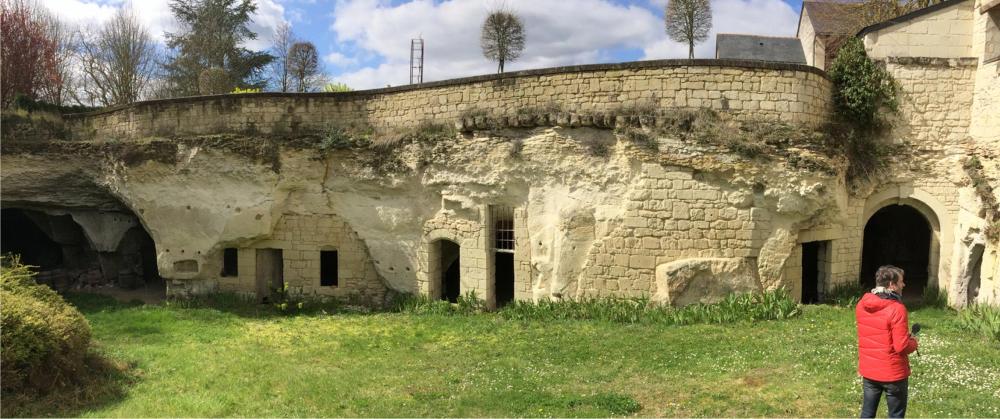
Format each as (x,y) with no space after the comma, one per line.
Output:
(301,238)
(780,92)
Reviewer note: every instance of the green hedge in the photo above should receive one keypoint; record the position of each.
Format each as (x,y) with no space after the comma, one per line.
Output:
(44,339)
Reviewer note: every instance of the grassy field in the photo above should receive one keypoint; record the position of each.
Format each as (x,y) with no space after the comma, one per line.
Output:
(207,362)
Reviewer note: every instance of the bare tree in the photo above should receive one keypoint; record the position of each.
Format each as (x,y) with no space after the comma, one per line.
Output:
(118,61)
(65,38)
(303,67)
(688,21)
(502,37)
(280,44)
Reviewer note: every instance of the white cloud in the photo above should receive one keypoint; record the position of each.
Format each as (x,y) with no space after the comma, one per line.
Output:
(156,16)
(340,60)
(558,33)
(759,17)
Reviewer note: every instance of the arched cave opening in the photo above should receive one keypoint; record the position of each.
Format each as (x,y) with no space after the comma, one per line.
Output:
(66,259)
(450,268)
(20,236)
(898,235)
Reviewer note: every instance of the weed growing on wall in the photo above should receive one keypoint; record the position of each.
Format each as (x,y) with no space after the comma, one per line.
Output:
(990,210)
(863,94)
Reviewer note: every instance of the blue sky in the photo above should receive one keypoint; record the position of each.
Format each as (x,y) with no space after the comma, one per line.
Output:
(365,43)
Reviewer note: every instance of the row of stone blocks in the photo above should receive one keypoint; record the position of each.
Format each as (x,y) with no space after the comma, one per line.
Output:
(608,120)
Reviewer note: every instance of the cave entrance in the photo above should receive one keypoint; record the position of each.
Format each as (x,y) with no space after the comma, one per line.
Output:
(125,267)
(898,235)
(270,274)
(449,270)
(816,259)
(21,236)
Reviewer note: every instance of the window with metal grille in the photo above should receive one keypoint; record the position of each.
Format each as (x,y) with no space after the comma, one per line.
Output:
(230,262)
(503,228)
(328,275)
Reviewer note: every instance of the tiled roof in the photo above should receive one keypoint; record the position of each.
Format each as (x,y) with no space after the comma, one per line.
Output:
(832,17)
(759,48)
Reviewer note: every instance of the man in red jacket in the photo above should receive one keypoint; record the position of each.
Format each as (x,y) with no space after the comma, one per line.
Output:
(884,341)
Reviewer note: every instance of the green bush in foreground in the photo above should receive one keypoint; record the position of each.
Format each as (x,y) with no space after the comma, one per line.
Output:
(45,340)
(771,305)
(982,319)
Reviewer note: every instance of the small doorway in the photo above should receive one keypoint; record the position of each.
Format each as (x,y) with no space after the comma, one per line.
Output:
(504,278)
(450,267)
(816,260)
(270,273)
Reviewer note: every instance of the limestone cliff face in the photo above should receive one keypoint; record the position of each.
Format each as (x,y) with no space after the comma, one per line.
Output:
(596,213)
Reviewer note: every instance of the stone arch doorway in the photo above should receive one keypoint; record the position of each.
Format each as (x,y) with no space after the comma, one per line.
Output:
(445,270)
(899,235)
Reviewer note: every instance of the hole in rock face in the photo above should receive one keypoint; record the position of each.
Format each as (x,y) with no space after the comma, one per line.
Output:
(897,235)
(65,256)
(188,265)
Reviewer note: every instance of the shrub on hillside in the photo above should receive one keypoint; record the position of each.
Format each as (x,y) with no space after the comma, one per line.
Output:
(45,340)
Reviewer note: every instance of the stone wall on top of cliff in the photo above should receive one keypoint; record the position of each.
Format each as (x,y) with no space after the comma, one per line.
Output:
(774,91)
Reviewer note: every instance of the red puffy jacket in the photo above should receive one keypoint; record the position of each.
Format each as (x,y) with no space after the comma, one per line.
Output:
(884,339)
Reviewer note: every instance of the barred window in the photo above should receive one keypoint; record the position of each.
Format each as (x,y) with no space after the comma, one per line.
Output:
(503,228)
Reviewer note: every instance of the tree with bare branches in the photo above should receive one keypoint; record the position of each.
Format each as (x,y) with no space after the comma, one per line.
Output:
(281,42)
(118,61)
(688,21)
(502,37)
(303,67)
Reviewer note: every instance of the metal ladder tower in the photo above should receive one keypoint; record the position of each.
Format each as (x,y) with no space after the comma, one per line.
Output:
(416,61)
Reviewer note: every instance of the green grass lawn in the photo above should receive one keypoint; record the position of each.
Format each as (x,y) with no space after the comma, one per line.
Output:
(206,362)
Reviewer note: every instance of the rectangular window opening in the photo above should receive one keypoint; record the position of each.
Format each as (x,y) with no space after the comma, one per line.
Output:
(230,262)
(328,274)
(503,228)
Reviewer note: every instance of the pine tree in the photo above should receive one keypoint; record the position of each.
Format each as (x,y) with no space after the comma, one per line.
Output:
(210,39)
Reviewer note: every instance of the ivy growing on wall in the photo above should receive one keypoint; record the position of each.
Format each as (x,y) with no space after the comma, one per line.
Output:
(863,89)
(864,95)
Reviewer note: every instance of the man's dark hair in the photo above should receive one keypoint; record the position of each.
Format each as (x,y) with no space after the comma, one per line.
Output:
(887,274)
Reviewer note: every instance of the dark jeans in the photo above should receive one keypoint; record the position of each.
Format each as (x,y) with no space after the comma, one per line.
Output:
(895,397)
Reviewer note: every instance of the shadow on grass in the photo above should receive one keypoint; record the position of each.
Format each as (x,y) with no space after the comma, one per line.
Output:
(102,382)
(89,303)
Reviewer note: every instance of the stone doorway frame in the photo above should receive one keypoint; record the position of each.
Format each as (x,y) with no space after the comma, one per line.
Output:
(929,207)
